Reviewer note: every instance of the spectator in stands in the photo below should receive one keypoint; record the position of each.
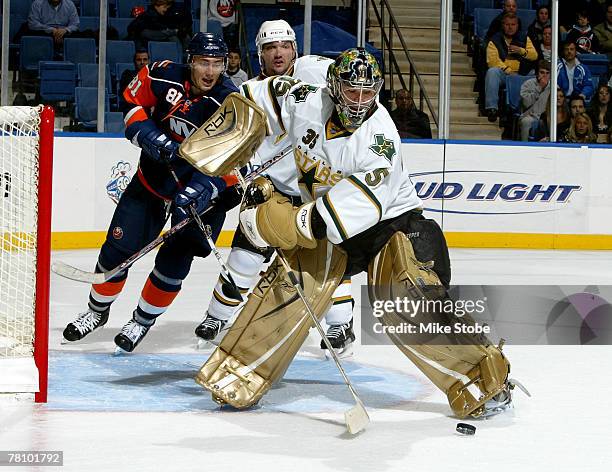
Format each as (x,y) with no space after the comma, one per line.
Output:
(234,71)
(567,12)
(545,47)
(509,6)
(583,35)
(603,31)
(535,95)
(580,131)
(574,78)
(564,118)
(601,113)
(162,21)
(576,105)
(508,52)
(411,122)
(224,11)
(141,59)
(55,18)
(536,29)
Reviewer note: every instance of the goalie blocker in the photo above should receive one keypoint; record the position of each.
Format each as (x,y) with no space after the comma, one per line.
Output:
(272,326)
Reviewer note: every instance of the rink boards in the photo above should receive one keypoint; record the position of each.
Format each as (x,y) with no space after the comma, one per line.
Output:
(484,194)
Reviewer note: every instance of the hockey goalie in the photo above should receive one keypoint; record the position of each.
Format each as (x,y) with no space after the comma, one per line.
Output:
(359,212)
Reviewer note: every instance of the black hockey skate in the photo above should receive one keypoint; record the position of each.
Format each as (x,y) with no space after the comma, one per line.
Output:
(130,336)
(85,323)
(341,337)
(208,329)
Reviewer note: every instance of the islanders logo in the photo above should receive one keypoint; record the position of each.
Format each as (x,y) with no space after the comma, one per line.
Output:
(120,178)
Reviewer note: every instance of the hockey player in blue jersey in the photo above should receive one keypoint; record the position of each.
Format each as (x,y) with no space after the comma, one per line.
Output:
(164,104)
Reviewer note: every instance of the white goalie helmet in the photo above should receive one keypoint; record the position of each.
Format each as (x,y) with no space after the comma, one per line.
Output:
(273,31)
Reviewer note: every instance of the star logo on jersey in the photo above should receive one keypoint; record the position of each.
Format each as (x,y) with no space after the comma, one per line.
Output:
(300,93)
(309,179)
(383,147)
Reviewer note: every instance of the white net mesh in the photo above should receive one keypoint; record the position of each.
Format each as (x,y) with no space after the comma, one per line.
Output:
(19,141)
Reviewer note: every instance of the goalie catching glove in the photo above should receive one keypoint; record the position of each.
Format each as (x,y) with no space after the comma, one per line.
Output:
(278,223)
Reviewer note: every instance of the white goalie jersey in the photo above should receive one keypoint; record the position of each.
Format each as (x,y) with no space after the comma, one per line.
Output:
(356,179)
(310,69)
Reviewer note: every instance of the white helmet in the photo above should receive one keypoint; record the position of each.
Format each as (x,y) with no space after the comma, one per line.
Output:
(272,31)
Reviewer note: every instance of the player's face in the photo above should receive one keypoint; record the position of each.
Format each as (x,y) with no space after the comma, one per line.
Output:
(277,57)
(358,97)
(205,72)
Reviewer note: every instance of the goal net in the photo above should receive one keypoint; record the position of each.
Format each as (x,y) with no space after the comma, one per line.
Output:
(26,143)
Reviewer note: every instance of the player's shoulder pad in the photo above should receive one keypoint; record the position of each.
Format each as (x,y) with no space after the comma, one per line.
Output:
(167,71)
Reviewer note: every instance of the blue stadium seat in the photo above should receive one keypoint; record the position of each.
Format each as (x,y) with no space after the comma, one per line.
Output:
(86,106)
(87,75)
(213,26)
(80,50)
(124,7)
(596,63)
(113,122)
(513,91)
(89,23)
(524,5)
(470,5)
(513,99)
(526,17)
(90,7)
(482,20)
(57,80)
(20,8)
(120,68)
(33,50)
(121,25)
(119,51)
(161,51)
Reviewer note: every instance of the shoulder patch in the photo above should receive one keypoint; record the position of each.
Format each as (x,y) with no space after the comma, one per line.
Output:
(300,93)
(383,147)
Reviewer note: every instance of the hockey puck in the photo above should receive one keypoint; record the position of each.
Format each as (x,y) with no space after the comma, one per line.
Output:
(465,428)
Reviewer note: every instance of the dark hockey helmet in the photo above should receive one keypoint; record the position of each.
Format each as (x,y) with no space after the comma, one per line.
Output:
(207,44)
(354,80)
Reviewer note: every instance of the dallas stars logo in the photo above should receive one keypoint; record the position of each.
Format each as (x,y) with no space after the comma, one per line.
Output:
(300,93)
(309,179)
(383,147)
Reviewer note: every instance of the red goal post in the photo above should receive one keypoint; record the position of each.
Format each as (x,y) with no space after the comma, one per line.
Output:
(26,164)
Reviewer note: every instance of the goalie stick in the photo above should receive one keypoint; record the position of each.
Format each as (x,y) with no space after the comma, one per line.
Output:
(79,275)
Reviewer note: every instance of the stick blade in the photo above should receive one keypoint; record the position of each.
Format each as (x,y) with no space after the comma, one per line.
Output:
(73,273)
(356,418)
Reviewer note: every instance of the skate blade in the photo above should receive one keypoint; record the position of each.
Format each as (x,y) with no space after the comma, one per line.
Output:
(118,352)
(65,341)
(204,345)
(342,353)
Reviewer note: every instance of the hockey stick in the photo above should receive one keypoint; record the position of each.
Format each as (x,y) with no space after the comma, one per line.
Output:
(73,273)
(231,290)
(356,418)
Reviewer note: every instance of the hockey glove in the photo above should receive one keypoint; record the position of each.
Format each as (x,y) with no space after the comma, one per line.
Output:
(152,141)
(278,223)
(200,190)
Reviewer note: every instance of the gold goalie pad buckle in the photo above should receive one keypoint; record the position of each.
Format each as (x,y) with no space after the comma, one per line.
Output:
(228,139)
(270,329)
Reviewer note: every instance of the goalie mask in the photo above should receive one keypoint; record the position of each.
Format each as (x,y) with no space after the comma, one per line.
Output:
(354,80)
